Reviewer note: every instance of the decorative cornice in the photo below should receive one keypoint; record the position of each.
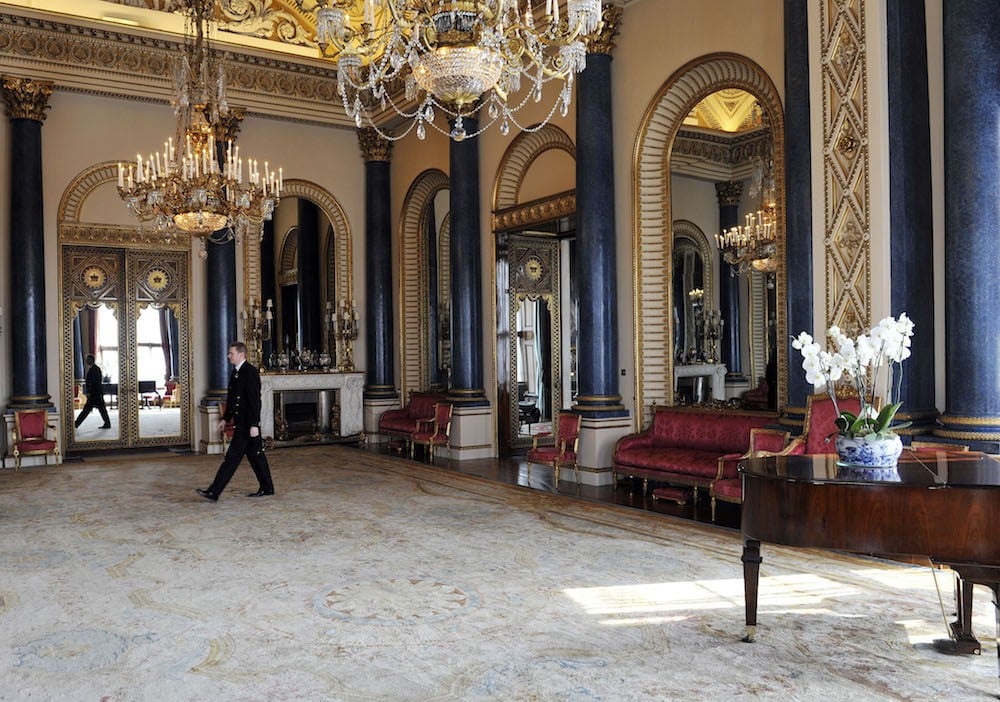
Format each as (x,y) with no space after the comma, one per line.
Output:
(374,147)
(604,41)
(228,126)
(26,98)
(535,212)
(88,59)
(119,235)
(729,193)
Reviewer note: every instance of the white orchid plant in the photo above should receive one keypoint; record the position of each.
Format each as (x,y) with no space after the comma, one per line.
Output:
(861,359)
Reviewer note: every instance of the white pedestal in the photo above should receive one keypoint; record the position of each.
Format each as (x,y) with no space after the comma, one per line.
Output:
(471,434)
(374,409)
(596,448)
(208,420)
(350,387)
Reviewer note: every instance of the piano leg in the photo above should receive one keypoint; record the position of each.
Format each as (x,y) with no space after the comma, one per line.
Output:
(751,576)
(961,628)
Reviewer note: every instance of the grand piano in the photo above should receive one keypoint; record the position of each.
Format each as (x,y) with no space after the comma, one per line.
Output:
(938,504)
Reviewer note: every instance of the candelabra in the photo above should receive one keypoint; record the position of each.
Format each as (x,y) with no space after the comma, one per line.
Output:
(344,328)
(712,333)
(257,325)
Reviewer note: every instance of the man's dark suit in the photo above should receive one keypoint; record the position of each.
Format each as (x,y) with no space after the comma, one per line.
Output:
(93,388)
(243,409)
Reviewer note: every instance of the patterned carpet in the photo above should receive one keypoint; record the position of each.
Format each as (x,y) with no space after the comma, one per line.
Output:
(374,578)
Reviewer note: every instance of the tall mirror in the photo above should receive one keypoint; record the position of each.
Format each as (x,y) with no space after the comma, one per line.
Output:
(157,372)
(96,377)
(126,356)
(721,171)
(437,234)
(539,306)
(298,277)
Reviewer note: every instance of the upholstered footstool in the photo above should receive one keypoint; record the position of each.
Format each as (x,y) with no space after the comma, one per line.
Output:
(678,495)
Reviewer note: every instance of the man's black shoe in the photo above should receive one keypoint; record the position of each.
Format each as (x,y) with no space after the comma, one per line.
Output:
(260,493)
(207,494)
(105,426)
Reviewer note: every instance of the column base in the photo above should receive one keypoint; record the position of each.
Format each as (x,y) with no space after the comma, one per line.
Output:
(468,397)
(373,411)
(600,406)
(596,448)
(381,392)
(980,433)
(471,434)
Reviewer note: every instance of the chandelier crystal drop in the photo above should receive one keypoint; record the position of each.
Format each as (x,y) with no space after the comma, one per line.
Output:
(200,184)
(458,56)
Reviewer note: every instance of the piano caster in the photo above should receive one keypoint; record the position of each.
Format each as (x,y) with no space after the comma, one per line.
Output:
(751,635)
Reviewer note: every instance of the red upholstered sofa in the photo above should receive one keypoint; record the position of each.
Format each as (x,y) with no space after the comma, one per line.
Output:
(403,422)
(685,445)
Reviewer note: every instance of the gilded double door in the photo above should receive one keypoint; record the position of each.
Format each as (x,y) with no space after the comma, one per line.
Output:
(125,311)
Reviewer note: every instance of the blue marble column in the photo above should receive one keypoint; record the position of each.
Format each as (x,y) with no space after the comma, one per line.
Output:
(910,209)
(220,316)
(972,211)
(466,273)
(26,101)
(596,270)
(729,193)
(376,153)
(310,304)
(798,203)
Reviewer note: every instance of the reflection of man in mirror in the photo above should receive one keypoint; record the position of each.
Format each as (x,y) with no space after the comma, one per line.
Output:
(243,410)
(93,388)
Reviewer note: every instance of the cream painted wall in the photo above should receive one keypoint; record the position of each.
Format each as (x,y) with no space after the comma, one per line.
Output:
(82,130)
(554,171)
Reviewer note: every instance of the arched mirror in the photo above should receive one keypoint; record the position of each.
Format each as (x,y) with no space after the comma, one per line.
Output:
(437,233)
(298,262)
(721,175)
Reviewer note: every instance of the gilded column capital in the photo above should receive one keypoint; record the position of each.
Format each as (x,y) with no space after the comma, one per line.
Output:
(228,126)
(729,193)
(374,147)
(604,41)
(26,98)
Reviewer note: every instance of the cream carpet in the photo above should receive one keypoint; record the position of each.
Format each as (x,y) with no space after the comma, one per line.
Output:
(375,578)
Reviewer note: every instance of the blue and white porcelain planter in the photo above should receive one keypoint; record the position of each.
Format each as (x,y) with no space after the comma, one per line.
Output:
(872,453)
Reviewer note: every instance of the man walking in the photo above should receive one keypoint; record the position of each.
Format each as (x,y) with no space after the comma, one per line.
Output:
(243,408)
(93,388)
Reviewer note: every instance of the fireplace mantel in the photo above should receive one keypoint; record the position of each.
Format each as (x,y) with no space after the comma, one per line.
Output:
(349,385)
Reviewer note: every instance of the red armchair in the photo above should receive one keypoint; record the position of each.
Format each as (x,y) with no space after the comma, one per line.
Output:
(729,488)
(31,436)
(431,433)
(820,426)
(563,451)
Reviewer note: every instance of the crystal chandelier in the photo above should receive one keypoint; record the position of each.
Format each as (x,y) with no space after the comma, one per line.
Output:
(198,184)
(456,57)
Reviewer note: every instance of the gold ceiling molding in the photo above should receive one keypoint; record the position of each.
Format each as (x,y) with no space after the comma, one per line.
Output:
(846,180)
(139,66)
(652,244)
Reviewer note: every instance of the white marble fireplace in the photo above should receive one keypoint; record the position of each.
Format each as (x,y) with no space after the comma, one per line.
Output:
(349,389)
